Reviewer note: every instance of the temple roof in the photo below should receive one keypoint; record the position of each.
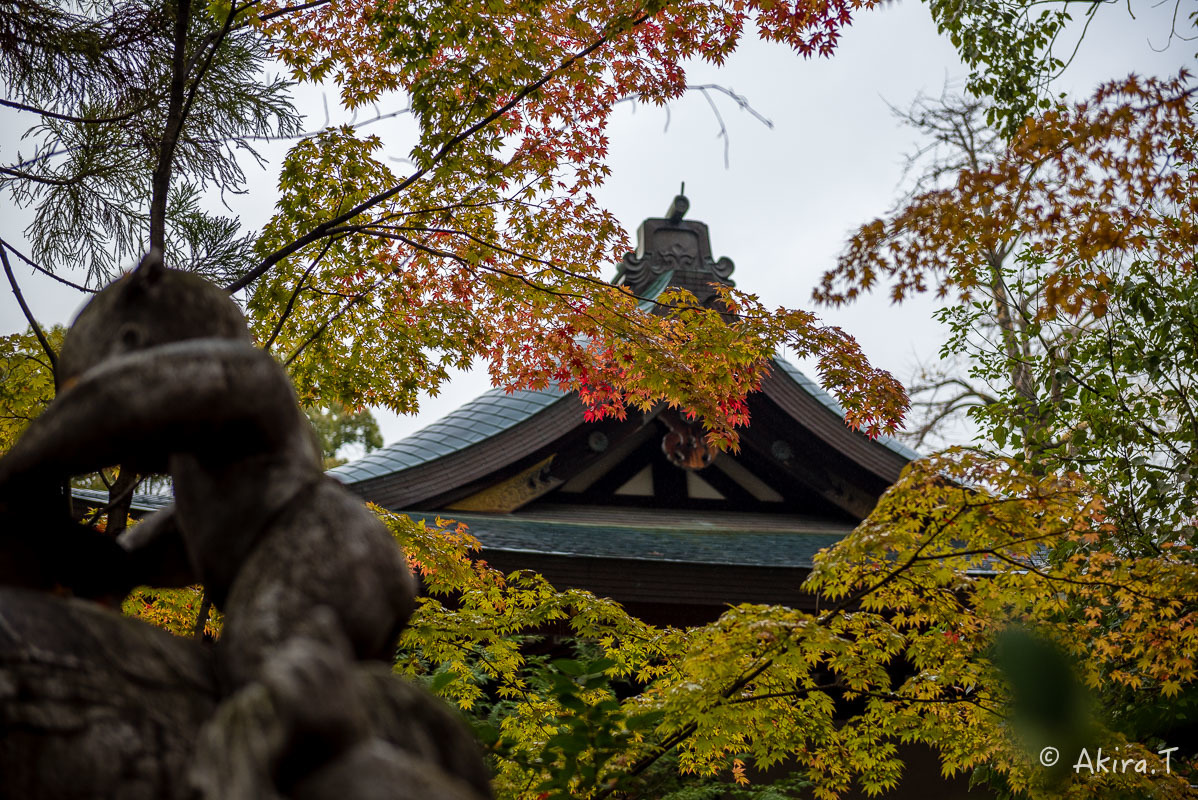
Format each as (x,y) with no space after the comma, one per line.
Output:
(484,416)
(497,410)
(142,502)
(641,509)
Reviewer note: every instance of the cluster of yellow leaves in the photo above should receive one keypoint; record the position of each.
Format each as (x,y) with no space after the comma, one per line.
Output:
(174,610)
(26,381)
(467,638)
(962,548)
(959,550)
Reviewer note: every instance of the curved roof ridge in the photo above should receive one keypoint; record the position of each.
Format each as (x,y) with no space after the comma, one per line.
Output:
(490,413)
(496,410)
(828,401)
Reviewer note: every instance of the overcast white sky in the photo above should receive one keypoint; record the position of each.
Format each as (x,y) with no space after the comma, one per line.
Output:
(791,195)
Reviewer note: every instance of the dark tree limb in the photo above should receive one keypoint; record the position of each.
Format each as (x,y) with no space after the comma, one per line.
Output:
(37,329)
(176,110)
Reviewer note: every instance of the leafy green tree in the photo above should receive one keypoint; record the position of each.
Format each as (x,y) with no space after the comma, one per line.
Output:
(1069,256)
(26,381)
(338,426)
(1015,49)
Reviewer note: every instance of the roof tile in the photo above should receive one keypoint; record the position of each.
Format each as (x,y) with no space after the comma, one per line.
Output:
(483,417)
(695,544)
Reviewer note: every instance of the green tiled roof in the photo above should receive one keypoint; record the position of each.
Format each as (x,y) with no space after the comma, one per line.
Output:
(141,502)
(486,415)
(689,541)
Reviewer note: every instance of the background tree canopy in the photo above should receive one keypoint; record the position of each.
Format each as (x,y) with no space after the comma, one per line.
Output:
(1060,234)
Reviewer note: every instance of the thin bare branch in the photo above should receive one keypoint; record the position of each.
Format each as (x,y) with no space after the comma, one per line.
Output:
(72,118)
(43,270)
(37,329)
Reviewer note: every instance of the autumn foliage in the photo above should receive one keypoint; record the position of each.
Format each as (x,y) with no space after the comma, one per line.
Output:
(492,246)
(1063,540)
(960,550)
(1079,186)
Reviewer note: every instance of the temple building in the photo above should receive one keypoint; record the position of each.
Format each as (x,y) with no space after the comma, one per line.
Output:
(639,509)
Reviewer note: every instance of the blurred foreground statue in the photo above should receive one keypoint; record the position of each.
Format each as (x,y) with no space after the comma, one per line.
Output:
(297,698)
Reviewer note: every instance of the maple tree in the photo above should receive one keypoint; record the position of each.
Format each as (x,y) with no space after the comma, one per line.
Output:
(1065,257)
(959,549)
(512,104)
(489,248)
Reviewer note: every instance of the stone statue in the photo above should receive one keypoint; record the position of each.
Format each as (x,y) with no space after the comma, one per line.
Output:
(158,374)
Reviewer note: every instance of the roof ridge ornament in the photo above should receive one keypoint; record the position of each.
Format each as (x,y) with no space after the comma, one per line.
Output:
(678,207)
(677,246)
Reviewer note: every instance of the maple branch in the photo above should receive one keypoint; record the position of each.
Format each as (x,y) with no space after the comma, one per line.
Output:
(596,282)
(197,630)
(981,551)
(865,591)
(588,300)
(898,698)
(503,201)
(322,327)
(351,300)
(392,233)
(1074,581)
(686,731)
(646,761)
(113,500)
(37,329)
(306,134)
(292,9)
(481,655)
(793,693)
(299,285)
(322,230)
